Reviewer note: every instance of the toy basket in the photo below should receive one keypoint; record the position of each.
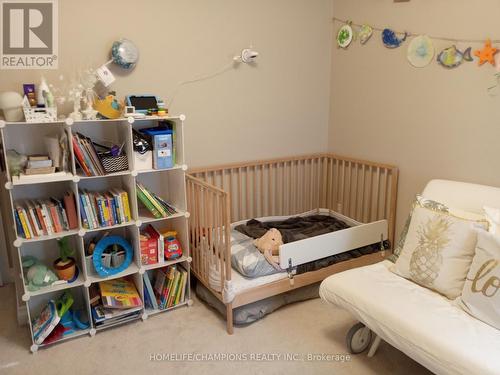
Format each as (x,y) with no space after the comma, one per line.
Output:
(113,164)
(33,114)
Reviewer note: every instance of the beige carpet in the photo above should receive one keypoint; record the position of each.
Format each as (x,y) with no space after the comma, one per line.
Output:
(304,328)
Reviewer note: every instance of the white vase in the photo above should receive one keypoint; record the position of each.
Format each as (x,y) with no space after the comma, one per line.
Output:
(11,105)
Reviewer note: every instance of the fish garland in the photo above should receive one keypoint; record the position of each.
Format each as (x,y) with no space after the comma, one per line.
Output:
(365,33)
(344,36)
(390,39)
(420,51)
(451,57)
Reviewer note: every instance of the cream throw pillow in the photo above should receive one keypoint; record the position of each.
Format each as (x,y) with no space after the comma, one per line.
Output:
(493,217)
(439,247)
(481,294)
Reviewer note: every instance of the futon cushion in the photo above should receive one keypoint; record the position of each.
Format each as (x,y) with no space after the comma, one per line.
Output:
(423,324)
(481,296)
(439,247)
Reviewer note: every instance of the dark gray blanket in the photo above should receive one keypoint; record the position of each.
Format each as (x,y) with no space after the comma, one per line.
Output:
(300,227)
(295,228)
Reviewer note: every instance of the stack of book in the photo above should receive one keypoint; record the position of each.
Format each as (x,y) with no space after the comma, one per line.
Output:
(39,164)
(156,205)
(86,156)
(114,301)
(35,218)
(105,209)
(169,290)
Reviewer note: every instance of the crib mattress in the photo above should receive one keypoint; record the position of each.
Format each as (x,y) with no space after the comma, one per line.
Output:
(423,324)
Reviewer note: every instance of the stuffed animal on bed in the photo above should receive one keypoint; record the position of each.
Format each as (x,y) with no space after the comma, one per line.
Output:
(269,245)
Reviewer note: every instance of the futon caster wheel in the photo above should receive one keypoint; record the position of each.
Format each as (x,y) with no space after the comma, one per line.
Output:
(144,316)
(92,332)
(34,348)
(358,338)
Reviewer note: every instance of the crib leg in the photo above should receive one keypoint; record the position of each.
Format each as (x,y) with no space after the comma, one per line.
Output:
(229,318)
(374,346)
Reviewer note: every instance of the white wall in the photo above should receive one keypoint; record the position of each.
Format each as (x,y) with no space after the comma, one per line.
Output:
(278,108)
(431,122)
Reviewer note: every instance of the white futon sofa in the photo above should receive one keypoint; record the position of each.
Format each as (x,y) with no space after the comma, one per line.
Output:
(423,324)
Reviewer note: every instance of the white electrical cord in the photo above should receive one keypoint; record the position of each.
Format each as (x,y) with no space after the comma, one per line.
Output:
(224,69)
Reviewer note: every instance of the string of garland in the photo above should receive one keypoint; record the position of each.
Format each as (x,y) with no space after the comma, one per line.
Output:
(409,33)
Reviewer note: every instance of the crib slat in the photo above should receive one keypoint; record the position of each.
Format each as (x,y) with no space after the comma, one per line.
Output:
(377,188)
(270,189)
(240,213)
(254,180)
(355,189)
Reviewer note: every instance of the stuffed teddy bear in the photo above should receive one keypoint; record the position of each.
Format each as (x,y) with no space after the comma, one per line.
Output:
(269,245)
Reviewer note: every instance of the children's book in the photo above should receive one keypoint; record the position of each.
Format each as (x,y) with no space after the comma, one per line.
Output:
(169,284)
(50,316)
(174,289)
(119,294)
(182,294)
(148,291)
(45,322)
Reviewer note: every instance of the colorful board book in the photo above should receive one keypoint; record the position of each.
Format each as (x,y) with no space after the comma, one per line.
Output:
(86,156)
(103,209)
(50,316)
(35,218)
(149,294)
(170,286)
(119,294)
(157,206)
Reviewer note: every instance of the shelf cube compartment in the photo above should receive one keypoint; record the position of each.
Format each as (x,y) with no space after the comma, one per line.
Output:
(107,317)
(47,142)
(162,288)
(45,211)
(168,186)
(75,322)
(177,224)
(177,140)
(38,259)
(103,203)
(113,133)
(113,256)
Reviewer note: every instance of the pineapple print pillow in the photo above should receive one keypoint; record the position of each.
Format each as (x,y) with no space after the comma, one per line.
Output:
(481,294)
(421,201)
(439,247)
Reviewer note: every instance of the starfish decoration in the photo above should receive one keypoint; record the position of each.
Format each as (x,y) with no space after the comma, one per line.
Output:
(487,54)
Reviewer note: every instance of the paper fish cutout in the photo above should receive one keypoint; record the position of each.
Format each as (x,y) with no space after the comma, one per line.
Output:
(365,33)
(390,39)
(344,36)
(487,54)
(451,57)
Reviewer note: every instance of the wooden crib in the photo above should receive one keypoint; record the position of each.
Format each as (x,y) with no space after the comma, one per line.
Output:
(218,196)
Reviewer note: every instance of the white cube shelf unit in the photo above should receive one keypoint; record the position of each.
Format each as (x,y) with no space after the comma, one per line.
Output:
(169,184)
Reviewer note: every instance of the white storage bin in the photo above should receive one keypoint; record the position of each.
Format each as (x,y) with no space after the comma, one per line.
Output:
(143,161)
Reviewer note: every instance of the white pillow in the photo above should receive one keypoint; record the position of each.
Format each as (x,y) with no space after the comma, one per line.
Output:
(493,217)
(481,293)
(438,248)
